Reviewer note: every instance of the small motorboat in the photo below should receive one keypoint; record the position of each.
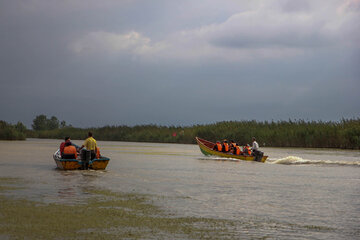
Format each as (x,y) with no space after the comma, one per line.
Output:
(80,162)
(206,148)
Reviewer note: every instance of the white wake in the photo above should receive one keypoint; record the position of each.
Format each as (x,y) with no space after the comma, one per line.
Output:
(293,160)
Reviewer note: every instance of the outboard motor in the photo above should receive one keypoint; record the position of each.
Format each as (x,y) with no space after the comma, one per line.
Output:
(258,155)
(85,158)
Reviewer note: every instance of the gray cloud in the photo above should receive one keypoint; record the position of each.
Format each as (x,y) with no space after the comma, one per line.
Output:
(178,63)
(296,6)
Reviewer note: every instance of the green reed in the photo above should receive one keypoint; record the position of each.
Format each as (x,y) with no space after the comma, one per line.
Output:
(343,134)
(12,132)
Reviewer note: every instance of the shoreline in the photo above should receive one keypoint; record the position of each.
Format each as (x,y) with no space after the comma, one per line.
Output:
(342,134)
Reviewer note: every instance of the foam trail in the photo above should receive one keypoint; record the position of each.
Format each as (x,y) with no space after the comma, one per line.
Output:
(293,160)
(218,158)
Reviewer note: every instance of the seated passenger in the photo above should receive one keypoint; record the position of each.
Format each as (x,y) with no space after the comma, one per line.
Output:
(232,144)
(218,146)
(69,151)
(237,150)
(98,153)
(247,149)
(62,145)
(226,146)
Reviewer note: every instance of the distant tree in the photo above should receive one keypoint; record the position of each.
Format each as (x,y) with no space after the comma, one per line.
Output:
(53,123)
(62,124)
(40,123)
(20,127)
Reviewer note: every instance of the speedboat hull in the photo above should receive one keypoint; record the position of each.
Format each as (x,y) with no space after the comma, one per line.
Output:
(206,147)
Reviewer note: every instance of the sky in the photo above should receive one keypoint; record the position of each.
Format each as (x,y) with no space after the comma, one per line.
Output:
(168,62)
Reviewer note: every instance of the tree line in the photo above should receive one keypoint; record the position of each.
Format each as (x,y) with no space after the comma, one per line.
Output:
(344,134)
(12,131)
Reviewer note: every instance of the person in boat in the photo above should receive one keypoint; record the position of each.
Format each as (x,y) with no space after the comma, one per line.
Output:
(90,145)
(255,150)
(247,149)
(217,146)
(232,145)
(237,150)
(255,145)
(62,145)
(226,146)
(69,151)
(98,155)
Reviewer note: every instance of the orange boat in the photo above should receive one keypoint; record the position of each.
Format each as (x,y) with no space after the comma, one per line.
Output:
(73,164)
(206,148)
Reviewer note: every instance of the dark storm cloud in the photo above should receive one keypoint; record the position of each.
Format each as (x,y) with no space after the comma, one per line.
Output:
(178,63)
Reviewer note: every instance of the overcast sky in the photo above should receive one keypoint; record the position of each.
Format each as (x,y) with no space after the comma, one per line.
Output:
(171,62)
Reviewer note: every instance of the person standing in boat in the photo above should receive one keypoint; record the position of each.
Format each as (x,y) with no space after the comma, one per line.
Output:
(255,151)
(255,145)
(90,145)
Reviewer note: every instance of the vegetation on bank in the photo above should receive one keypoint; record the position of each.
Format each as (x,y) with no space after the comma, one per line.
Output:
(41,122)
(344,134)
(12,131)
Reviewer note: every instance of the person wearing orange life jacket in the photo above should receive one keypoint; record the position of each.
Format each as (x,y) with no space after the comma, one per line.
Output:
(62,145)
(237,150)
(226,146)
(247,150)
(217,146)
(69,151)
(98,153)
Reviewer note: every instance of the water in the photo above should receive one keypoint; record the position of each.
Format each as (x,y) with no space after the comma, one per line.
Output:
(296,194)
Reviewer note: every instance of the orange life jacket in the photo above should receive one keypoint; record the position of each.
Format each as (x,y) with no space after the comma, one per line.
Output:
(69,150)
(219,147)
(226,147)
(234,145)
(97,153)
(237,150)
(247,150)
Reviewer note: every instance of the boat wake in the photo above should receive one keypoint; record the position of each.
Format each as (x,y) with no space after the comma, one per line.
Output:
(214,158)
(293,160)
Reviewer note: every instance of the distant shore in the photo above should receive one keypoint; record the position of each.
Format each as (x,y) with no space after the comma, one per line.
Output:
(344,134)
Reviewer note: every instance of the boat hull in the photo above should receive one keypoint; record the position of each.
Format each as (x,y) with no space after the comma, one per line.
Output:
(74,164)
(68,164)
(206,148)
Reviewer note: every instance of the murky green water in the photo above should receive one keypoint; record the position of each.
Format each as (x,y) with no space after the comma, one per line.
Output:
(297,194)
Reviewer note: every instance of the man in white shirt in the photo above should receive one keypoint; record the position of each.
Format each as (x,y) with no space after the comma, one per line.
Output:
(255,145)
(255,151)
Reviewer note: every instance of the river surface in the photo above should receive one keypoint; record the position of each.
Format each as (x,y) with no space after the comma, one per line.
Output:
(296,194)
